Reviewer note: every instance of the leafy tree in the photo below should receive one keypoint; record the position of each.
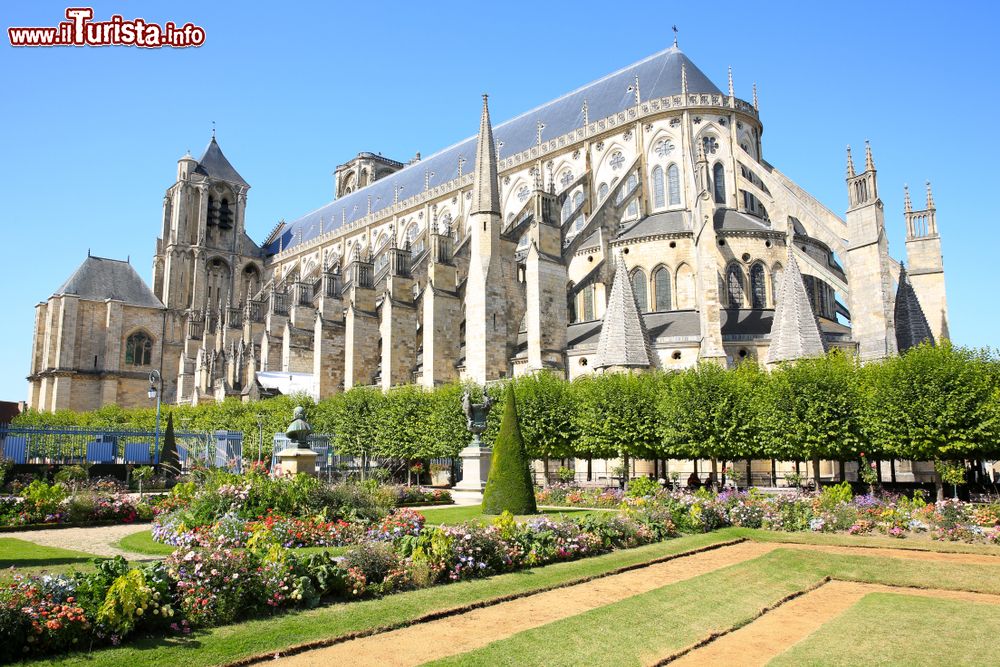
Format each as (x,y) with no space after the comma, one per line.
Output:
(400,427)
(509,487)
(713,413)
(444,432)
(353,420)
(617,415)
(546,408)
(934,403)
(813,410)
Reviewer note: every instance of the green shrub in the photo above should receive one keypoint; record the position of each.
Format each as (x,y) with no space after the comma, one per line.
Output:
(642,486)
(509,484)
(835,495)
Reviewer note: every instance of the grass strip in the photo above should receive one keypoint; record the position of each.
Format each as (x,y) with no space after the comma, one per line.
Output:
(463,513)
(672,618)
(266,636)
(31,558)
(923,632)
(640,629)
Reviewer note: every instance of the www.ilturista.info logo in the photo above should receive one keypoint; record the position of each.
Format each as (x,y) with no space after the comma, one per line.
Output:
(80,30)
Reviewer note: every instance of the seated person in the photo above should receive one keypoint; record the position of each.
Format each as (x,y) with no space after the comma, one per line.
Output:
(693,481)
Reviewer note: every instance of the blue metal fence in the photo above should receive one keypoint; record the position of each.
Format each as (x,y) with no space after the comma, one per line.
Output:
(329,463)
(66,446)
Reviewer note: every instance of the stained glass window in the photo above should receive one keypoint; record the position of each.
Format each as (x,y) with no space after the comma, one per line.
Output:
(661,283)
(734,283)
(639,290)
(663,147)
(719,182)
(758,288)
(674,185)
(659,200)
(617,160)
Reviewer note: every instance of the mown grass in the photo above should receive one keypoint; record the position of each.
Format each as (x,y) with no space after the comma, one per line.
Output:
(265,635)
(664,621)
(897,629)
(143,543)
(31,558)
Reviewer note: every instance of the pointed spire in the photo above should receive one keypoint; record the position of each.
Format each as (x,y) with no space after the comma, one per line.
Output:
(911,324)
(684,79)
(756,108)
(795,332)
(623,342)
(731,92)
(674,28)
(907,204)
(485,193)
(930,197)
(850,163)
(869,162)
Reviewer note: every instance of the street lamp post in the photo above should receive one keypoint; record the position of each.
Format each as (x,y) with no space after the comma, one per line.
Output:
(155,391)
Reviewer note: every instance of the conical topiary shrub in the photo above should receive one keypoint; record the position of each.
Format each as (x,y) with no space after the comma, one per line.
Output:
(170,462)
(509,486)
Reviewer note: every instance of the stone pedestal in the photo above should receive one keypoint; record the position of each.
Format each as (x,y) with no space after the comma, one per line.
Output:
(294,460)
(476,461)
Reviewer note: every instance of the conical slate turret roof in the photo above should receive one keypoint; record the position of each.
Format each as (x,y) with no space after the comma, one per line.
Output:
(623,339)
(911,324)
(215,165)
(99,279)
(794,331)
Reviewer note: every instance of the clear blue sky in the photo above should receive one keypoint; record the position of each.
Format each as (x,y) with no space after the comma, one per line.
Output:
(91,136)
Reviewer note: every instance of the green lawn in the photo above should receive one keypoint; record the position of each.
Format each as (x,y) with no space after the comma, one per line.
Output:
(673,617)
(463,513)
(895,629)
(919,543)
(31,558)
(232,642)
(143,543)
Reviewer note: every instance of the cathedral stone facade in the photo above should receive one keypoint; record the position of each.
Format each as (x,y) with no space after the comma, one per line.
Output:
(630,224)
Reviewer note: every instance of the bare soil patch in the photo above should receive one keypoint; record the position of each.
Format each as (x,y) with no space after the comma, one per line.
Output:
(441,638)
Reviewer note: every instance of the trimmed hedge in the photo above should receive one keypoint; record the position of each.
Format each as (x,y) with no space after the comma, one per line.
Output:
(509,487)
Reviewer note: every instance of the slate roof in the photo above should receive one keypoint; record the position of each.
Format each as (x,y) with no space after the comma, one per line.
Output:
(670,222)
(659,76)
(911,323)
(623,340)
(99,279)
(795,332)
(728,220)
(215,165)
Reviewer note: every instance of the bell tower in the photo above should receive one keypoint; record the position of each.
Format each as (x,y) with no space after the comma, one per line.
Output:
(926,265)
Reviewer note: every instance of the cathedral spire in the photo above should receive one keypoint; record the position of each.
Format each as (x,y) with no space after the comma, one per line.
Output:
(850,163)
(869,162)
(930,197)
(485,193)
(795,332)
(684,79)
(731,92)
(623,342)
(907,204)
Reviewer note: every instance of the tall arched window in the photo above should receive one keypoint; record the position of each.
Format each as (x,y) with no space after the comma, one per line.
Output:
(659,200)
(758,287)
(674,185)
(415,239)
(602,191)
(639,289)
(719,183)
(138,349)
(631,184)
(661,285)
(734,286)
(588,303)
(567,208)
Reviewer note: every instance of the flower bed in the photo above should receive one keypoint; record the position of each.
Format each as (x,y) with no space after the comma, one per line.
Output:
(42,504)
(417,495)
(212,582)
(833,510)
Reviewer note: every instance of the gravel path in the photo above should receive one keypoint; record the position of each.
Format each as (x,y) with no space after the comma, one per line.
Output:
(97,540)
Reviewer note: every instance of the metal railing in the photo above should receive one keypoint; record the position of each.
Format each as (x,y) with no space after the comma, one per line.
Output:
(27,445)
